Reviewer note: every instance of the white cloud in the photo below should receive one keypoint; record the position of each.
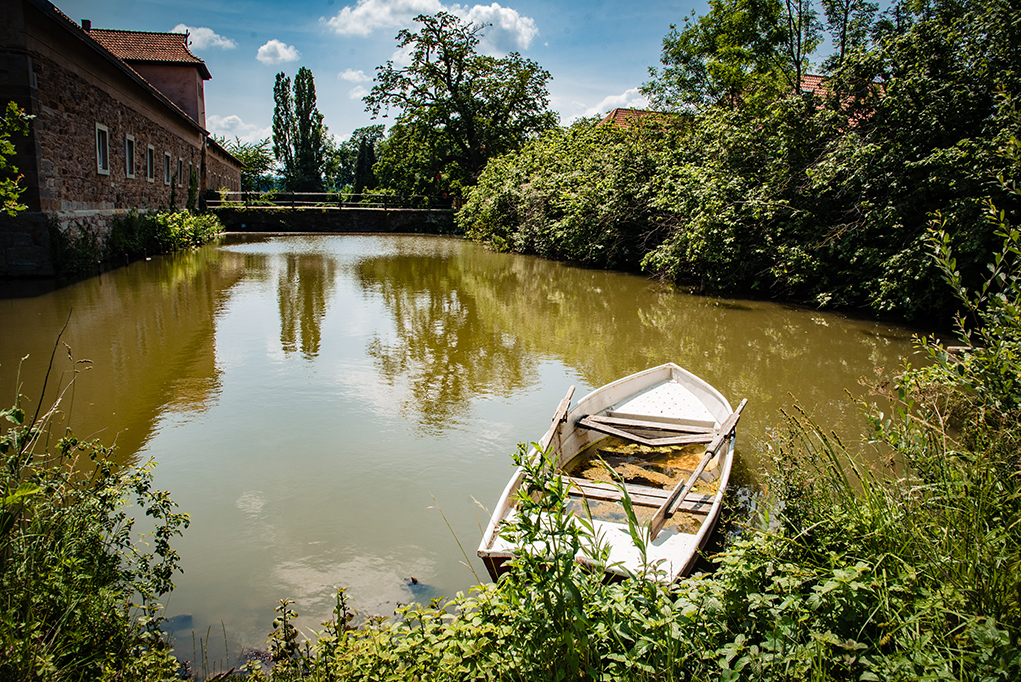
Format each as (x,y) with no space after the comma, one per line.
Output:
(354,76)
(368,15)
(402,56)
(357,92)
(200,37)
(232,126)
(276,52)
(508,31)
(629,99)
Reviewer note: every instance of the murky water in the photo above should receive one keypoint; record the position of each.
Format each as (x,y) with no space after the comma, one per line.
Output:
(324,406)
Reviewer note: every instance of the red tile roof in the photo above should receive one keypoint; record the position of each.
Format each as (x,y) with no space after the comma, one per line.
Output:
(624,117)
(814,84)
(149,46)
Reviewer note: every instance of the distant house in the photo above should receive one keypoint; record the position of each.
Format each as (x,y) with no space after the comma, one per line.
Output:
(815,84)
(119,124)
(627,117)
(810,83)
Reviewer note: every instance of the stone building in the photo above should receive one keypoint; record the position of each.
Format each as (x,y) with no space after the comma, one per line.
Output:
(119,124)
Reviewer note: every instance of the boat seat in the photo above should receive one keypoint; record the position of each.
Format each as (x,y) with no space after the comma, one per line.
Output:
(641,495)
(615,426)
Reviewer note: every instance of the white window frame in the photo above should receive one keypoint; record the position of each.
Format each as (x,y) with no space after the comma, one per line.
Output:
(129,156)
(150,163)
(180,172)
(166,168)
(102,149)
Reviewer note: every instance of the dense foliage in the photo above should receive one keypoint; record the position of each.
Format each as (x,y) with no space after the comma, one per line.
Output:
(580,193)
(257,157)
(77,249)
(464,106)
(822,198)
(350,164)
(78,589)
(903,570)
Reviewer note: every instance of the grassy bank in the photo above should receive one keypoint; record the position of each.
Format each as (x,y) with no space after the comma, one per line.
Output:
(79,589)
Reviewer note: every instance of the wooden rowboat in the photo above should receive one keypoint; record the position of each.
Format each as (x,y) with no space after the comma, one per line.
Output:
(669,437)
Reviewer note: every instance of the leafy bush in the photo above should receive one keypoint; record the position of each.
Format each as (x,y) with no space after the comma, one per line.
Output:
(142,234)
(580,194)
(78,594)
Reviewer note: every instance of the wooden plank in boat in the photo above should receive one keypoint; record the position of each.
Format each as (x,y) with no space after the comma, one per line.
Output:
(651,425)
(589,423)
(642,496)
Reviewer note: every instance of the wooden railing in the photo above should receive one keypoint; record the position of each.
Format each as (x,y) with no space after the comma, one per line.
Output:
(330,200)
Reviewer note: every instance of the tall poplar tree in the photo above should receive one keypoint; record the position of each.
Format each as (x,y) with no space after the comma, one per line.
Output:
(299,136)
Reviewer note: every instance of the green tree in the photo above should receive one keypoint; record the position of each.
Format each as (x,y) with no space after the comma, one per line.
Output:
(299,136)
(729,57)
(478,106)
(257,159)
(343,159)
(848,23)
(14,122)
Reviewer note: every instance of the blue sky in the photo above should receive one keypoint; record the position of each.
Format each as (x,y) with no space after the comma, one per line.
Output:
(597,52)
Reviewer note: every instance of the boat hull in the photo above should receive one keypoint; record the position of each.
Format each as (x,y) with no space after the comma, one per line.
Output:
(668,396)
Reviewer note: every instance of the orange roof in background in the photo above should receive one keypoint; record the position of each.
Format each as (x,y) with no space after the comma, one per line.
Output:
(149,46)
(814,84)
(624,117)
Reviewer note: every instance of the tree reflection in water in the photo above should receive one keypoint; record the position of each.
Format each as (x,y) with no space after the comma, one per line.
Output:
(443,347)
(303,289)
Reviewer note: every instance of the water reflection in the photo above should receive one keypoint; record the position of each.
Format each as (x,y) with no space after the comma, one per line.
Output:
(312,400)
(147,330)
(304,287)
(471,323)
(445,346)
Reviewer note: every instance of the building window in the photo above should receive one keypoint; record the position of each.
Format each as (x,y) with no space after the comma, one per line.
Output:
(166,168)
(129,156)
(150,164)
(180,172)
(102,149)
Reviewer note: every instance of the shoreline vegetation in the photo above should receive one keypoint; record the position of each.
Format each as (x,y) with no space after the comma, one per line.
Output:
(77,251)
(747,182)
(893,192)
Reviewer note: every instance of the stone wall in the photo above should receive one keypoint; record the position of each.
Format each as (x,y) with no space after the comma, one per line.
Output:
(25,246)
(336,220)
(221,173)
(73,87)
(71,185)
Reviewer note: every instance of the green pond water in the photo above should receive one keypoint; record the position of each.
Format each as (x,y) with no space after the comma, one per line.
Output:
(314,402)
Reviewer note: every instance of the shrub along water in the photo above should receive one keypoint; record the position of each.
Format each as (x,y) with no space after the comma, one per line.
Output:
(78,252)
(821,198)
(78,591)
(909,569)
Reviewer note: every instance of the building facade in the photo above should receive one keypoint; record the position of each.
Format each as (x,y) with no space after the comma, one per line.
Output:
(118,125)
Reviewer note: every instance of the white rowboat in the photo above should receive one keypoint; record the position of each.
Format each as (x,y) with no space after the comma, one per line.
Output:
(670,436)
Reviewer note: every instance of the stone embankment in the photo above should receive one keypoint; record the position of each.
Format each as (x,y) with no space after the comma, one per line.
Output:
(336,220)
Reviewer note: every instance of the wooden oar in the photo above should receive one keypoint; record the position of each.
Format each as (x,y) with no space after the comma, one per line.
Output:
(558,418)
(681,492)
